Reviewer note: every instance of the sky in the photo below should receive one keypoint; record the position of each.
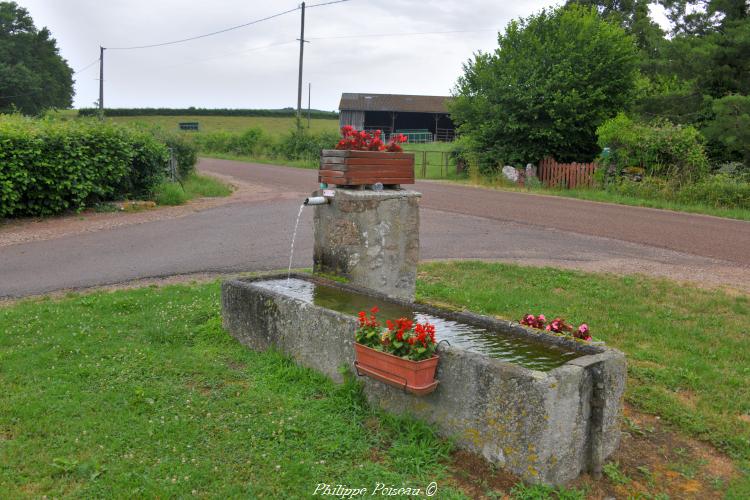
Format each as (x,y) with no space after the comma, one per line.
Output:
(257,66)
(355,46)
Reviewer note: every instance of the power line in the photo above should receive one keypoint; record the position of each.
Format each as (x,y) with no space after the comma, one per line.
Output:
(326,3)
(86,67)
(207,34)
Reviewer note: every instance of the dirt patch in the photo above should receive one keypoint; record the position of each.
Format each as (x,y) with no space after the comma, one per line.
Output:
(237,365)
(651,460)
(17,231)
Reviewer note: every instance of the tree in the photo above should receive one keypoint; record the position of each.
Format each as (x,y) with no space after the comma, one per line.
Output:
(554,78)
(33,75)
(729,132)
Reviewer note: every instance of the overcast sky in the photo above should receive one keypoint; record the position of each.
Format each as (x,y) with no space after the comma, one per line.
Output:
(238,69)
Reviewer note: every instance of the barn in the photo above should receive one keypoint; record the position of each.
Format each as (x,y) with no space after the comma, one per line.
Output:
(424,118)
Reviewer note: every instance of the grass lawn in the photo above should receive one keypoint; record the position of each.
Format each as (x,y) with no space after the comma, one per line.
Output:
(432,160)
(141,393)
(688,349)
(607,197)
(273,126)
(194,186)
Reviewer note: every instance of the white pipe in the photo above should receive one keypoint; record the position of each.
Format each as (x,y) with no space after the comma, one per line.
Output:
(316,200)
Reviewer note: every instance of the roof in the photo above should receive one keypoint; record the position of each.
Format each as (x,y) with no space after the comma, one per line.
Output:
(394,102)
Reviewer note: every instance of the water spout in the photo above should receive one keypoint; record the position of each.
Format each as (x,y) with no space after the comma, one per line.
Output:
(316,200)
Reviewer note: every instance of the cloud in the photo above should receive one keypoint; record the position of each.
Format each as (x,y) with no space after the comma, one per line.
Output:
(256,66)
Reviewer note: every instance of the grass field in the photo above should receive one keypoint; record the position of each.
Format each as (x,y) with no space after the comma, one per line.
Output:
(194,186)
(141,393)
(273,126)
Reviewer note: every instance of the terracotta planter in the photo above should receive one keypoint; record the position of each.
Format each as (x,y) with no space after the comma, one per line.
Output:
(359,168)
(417,377)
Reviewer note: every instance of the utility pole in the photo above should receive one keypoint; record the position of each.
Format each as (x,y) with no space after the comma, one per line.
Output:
(301,53)
(101,82)
(309,90)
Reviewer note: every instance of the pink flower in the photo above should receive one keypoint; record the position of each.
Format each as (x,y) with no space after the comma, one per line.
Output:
(541,318)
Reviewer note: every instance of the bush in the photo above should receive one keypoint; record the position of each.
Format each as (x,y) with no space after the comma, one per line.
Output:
(717,191)
(661,148)
(302,145)
(185,151)
(251,142)
(47,167)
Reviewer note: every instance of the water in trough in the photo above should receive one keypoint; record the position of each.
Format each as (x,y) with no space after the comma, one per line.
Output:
(526,353)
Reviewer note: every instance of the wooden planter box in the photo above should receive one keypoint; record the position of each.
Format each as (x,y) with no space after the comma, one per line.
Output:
(416,377)
(360,168)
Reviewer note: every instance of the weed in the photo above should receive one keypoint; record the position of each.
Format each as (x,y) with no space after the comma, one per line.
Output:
(614,474)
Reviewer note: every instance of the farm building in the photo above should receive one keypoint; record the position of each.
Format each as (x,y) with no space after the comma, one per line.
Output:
(424,118)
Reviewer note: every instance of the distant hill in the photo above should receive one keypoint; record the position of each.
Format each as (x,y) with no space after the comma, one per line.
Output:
(282,113)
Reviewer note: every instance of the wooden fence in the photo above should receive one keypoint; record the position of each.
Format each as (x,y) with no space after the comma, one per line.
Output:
(566,175)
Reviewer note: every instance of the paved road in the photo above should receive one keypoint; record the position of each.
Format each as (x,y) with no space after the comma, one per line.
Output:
(457,222)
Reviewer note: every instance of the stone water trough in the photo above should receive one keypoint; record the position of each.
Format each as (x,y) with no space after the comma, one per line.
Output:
(544,407)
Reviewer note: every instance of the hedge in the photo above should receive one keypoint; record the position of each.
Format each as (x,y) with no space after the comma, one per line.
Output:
(48,167)
(282,113)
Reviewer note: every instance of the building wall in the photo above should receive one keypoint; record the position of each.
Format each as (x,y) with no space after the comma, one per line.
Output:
(354,118)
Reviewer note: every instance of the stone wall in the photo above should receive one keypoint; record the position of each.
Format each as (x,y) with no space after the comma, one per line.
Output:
(371,238)
(545,426)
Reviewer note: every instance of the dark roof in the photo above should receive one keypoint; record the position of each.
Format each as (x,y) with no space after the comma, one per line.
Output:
(394,102)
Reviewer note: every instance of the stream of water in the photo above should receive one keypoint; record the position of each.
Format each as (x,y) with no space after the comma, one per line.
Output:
(294,235)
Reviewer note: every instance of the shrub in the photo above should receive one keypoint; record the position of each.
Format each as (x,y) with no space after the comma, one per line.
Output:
(47,167)
(661,148)
(302,145)
(251,142)
(185,151)
(282,113)
(717,191)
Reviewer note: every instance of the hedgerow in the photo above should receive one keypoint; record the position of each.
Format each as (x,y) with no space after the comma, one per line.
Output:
(48,167)
(281,113)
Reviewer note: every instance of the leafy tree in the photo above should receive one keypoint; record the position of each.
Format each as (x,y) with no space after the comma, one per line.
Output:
(33,75)
(729,132)
(701,17)
(553,80)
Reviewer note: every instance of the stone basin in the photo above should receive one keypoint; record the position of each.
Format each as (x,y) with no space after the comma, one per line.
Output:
(544,407)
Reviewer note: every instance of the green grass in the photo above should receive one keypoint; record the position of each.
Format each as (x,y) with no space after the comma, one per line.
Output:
(273,126)
(310,165)
(195,186)
(432,160)
(141,393)
(688,349)
(609,197)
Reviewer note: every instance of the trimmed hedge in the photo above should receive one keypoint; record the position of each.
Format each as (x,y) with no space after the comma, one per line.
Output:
(48,167)
(283,113)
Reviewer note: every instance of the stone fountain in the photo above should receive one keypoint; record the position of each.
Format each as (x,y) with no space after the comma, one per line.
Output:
(544,407)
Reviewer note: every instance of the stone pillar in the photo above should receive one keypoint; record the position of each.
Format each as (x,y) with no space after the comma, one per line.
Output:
(371,238)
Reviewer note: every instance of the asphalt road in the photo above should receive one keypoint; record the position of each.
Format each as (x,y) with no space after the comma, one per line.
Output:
(457,222)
